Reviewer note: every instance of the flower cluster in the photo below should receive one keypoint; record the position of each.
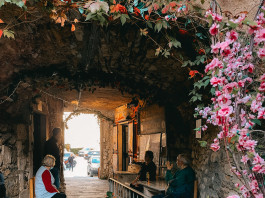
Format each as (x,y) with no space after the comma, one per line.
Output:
(234,110)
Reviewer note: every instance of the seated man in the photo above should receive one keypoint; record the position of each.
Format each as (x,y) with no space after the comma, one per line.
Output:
(148,169)
(180,184)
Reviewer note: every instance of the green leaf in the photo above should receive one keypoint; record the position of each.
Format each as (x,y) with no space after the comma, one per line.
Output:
(202,1)
(166,53)
(256,121)
(89,16)
(193,99)
(176,43)
(165,24)
(149,24)
(210,20)
(206,82)
(123,19)
(202,143)
(232,25)
(9,34)
(158,26)
(212,91)
(234,139)
(249,22)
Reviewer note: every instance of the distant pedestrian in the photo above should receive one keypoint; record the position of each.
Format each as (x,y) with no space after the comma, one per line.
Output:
(51,148)
(71,161)
(2,186)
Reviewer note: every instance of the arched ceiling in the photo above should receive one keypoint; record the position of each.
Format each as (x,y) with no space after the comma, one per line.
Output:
(115,60)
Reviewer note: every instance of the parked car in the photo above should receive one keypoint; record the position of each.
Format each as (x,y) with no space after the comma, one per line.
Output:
(84,151)
(93,165)
(91,153)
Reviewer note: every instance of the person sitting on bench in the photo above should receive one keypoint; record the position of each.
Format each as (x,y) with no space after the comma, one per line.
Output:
(180,184)
(44,180)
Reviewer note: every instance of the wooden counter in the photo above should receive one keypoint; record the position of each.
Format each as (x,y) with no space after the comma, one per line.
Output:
(153,188)
(125,176)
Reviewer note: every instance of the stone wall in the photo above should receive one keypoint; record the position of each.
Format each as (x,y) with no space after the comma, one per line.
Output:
(17,139)
(212,169)
(106,149)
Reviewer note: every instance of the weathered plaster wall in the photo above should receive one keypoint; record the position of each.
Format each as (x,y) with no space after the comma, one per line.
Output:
(17,139)
(234,6)
(106,149)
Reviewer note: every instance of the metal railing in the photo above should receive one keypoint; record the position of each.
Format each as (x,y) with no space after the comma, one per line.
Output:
(121,190)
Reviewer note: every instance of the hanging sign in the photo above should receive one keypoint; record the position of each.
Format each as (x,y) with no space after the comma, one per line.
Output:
(152,120)
(198,125)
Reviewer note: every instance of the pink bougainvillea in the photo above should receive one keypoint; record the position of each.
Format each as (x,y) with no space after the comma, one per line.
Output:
(234,110)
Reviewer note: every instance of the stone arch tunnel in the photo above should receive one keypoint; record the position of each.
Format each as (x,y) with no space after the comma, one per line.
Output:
(47,70)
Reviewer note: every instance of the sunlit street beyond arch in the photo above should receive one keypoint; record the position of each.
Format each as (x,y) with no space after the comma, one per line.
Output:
(80,185)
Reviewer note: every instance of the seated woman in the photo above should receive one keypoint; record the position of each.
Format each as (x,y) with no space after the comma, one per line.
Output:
(180,184)
(44,180)
(147,168)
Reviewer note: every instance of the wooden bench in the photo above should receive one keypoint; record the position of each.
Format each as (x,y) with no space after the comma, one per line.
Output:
(32,188)
(195,189)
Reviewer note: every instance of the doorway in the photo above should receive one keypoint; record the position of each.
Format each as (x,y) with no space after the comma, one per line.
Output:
(39,122)
(125,159)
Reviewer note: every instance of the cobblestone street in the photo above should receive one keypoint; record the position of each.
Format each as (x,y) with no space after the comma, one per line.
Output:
(79,185)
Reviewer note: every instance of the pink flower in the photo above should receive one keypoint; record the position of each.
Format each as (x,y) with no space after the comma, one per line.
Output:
(214,29)
(257,159)
(250,144)
(215,48)
(224,45)
(232,35)
(215,81)
(233,196)
(241,83)
(257,168)
(225,111)
(215,147)
(262,77)
(260,36)
(261,113)
(224,100)
(227,51)
(214,64)
(244,159)
(261,53)
(167,17)
(262,87)
(230,87)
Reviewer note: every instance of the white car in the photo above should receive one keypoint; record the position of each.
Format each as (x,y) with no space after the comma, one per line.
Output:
(84,151)
(93,165)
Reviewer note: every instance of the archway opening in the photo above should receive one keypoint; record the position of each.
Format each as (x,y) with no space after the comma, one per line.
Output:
(82,140)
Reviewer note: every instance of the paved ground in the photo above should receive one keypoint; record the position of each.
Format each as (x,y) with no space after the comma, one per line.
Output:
(79,185)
